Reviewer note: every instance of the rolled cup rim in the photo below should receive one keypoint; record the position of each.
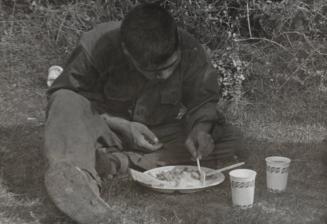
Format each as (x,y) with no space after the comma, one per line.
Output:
(242,174)
(278,160)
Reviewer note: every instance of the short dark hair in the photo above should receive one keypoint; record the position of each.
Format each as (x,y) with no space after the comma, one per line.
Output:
(149,33)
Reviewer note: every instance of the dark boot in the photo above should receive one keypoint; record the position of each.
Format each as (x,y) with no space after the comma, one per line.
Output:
(75,192)
(110,162)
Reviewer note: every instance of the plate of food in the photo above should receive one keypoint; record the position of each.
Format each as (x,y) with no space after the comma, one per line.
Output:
(182,179)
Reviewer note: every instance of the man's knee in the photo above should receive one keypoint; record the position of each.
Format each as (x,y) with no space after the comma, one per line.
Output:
(66,97)
(227,132)
(64,100)
(230,139)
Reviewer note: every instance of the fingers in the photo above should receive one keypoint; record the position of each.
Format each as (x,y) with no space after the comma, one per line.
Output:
(206,144)
(148,140)
(200,145)
(190,145)
(148,134)
(143,143)
(144,138)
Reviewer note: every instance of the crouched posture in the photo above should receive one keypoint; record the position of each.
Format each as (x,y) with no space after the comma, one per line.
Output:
(142,94)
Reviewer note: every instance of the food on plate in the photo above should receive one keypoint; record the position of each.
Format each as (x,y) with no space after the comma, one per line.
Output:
(180,176)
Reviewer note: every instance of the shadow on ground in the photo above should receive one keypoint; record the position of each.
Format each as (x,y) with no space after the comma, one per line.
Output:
(23,165)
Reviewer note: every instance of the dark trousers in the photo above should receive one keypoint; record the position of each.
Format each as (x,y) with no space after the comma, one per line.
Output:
(74,131)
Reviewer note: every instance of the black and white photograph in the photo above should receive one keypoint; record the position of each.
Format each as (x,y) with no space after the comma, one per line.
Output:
(163,111)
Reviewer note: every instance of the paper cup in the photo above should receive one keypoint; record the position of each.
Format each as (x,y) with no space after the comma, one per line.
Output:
(277,173)
(53,73)
(243,185)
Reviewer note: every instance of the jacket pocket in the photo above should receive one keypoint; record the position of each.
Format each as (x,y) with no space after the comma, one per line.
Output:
(172,97)
(169,106)
(118,101)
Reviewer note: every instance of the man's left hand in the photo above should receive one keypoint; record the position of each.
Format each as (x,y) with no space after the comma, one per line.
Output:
(199,143)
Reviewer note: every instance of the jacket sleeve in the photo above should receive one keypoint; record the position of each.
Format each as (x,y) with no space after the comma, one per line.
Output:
(81,76)
(200,90)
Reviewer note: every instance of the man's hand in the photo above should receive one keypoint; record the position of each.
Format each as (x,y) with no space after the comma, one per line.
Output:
(138,135)
(199,143)
(142,137)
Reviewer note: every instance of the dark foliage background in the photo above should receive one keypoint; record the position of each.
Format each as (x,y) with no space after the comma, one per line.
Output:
(270,54)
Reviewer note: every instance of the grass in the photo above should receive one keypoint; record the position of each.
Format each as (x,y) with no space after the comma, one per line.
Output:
(23,199)
(27,50)
(304,201)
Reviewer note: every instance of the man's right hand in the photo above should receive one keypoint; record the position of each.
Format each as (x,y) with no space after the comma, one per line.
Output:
(138,135)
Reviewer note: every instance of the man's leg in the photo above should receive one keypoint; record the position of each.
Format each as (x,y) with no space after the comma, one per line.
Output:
(228,143)
(73,130)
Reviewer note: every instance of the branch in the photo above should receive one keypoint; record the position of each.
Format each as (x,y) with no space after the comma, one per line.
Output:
(13,19)
(60,27)
(265,39)
(295,71)
(307,40)
(248,19)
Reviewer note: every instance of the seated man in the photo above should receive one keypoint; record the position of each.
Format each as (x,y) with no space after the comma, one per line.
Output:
(141,93)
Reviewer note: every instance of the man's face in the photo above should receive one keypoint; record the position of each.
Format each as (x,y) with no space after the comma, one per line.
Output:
(160,72)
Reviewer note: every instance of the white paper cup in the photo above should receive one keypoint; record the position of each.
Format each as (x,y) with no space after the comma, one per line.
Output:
(243,185)
(277,173)
(53,72)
